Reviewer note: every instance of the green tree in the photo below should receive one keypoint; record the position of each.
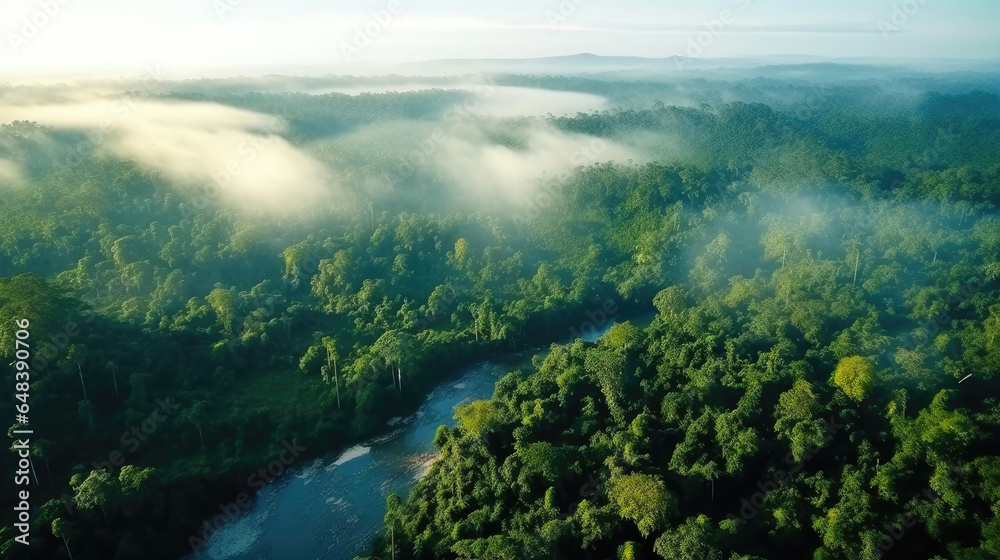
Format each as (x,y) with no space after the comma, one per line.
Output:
(86,409)
(855,375)
(629,551)
(76,354)
(476,417)
(197,415)
(32,297)
(223,302)
(690,541)
(330,345)
(325,355)
(463,254)
(622,336)
(795,405)
(396,348)
(596,522)
(113,368)
(41,448)
(608,367)
(671,303)
(98,490)
(794,414)
(131,478)
(643,499)
(393,512)
(60,529)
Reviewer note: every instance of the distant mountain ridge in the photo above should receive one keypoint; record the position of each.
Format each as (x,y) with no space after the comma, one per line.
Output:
(597,66)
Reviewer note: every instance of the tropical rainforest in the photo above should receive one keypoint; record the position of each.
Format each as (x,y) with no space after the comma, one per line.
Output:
(819,257)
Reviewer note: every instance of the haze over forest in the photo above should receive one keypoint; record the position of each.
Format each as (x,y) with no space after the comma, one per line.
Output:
(787,238)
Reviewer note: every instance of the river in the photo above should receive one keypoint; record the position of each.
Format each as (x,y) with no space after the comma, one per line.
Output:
(331,507)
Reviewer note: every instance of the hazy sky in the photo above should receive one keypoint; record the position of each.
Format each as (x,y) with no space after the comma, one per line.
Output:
(182,36)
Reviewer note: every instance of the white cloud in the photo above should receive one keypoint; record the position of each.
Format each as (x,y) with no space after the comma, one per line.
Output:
(473,162)
(10,173)
(193,144)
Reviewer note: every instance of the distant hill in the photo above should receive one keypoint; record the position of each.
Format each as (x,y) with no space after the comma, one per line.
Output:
(671,67)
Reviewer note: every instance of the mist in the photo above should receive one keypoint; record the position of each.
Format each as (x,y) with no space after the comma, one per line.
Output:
(240,154)
(503,101)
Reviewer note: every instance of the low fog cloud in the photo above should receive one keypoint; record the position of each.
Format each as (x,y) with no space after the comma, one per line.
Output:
(472,161)
(239,153)
(503,101)
(10,172)
(479,160)
(494,152)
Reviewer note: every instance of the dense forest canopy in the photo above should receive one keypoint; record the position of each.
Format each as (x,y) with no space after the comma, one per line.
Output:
(820,256)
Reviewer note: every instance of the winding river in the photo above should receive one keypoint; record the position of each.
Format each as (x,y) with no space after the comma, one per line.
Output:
(330,508)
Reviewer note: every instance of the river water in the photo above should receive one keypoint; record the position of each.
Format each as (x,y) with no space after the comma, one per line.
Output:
(331,507)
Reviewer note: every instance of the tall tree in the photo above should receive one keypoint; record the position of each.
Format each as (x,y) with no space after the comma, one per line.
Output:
(60,529)
(198,415)
(396,348)
(77,354)
(99,490)
(33,297)
(113,368)
(86,409)
(330,345)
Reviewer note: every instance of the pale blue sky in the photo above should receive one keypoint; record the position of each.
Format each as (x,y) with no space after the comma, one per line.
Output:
(184,35)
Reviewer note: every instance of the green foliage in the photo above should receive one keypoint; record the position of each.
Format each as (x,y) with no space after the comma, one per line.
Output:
(629,551)
(795,405)
(32,297)
(643,499)
(475,417)
(855,376)
(778,246)
(99,490)
(132,478)
(690,541)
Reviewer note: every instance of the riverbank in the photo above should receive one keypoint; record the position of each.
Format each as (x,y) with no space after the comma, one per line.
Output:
(347,487)
(211,495)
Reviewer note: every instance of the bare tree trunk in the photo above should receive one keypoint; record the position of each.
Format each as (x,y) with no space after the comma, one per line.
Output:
(857,261)
(35,474)
(115,379)
(400,373)
(82,383)
(66,544)
(336,378)
(202,436)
